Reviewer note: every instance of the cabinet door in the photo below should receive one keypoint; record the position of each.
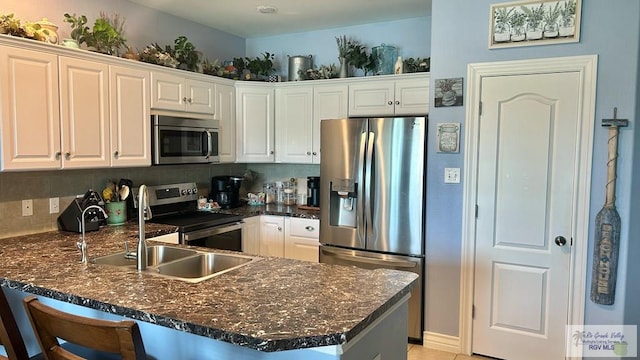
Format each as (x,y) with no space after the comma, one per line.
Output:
(226,112)
(130,119)
(294,124)
(272,235)
(301,239)
(373,98)
(251,236)
(412,97)
(200,97)
(84,107)
(167,91)
(255,123)
(30,110)
(329,102)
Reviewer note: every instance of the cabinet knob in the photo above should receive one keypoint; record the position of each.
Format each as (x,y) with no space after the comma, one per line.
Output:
(397,102)
(189,100)
(184,98)
(315,153)
(67,155)
(279,228)
(58,154)
(271,152)
(116,154)
(309,153)
(309,228)
(390,102)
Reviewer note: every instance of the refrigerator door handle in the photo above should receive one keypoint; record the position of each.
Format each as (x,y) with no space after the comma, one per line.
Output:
(367,260)
(361,187)
(368,177)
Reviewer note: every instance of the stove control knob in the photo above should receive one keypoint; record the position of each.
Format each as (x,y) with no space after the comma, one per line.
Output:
(195,191)
(189,191)
(184,192)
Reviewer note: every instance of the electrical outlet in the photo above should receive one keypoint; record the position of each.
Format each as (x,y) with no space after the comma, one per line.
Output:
(54,205)
(27,207)
(452,175)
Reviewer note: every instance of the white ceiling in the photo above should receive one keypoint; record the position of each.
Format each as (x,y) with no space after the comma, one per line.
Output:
(241,18)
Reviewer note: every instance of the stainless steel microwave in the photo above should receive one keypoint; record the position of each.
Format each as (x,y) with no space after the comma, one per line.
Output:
(181,140)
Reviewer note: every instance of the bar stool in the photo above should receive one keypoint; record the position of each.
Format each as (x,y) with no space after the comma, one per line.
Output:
(109,337)
(10,336)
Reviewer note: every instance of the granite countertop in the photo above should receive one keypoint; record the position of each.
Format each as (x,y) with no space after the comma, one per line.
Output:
(274,209)
(269,305)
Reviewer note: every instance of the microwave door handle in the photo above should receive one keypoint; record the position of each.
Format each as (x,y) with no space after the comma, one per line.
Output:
(209,149)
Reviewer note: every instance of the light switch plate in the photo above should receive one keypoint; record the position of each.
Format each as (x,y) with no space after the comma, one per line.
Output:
(452,175)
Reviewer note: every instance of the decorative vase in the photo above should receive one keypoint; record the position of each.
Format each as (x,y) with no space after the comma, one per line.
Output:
(117,212)
(344,68)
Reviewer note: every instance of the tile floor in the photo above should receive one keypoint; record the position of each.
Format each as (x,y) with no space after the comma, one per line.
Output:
(417,352)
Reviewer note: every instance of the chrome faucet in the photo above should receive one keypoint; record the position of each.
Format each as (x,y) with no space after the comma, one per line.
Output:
(82,245)
(144,213)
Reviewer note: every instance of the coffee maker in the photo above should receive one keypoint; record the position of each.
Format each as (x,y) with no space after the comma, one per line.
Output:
(225,190)
(313,191)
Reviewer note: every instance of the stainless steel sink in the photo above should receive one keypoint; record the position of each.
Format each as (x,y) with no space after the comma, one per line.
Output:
(156,255)
(203,266)
(179,263)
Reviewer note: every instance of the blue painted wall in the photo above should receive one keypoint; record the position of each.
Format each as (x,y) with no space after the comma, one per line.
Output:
(460,37)
(411,37)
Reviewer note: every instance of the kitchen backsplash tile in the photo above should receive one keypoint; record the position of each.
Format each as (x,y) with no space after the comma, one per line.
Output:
(66,184)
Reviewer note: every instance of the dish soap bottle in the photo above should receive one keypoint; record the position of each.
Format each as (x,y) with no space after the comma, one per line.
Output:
(398,67)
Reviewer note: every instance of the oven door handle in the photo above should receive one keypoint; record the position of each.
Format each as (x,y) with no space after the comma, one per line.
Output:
(199,234)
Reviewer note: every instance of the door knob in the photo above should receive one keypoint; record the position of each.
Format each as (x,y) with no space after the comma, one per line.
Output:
(560,241)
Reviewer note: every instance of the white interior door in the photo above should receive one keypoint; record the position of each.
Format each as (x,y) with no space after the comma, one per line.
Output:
(526,180)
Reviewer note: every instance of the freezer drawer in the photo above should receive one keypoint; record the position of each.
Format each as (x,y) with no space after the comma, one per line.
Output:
(369,260)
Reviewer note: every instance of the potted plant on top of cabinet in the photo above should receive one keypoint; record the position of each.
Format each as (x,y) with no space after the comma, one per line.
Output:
(107,36)
(79,30)
(260,68)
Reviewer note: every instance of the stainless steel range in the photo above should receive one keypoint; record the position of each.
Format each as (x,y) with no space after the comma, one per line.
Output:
(176,204)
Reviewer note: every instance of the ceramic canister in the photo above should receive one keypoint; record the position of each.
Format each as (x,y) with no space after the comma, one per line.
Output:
(52,28)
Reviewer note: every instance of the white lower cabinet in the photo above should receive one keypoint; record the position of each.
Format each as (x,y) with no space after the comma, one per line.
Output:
(251,235)
(301,239)
(282,236)
(272,235)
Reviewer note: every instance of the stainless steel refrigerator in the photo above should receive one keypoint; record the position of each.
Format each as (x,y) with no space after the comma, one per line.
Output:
(372,198)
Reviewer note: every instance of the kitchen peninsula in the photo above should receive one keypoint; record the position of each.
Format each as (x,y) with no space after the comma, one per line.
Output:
(272,308)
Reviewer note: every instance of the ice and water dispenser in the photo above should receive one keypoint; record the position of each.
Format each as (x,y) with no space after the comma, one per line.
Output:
(343,202)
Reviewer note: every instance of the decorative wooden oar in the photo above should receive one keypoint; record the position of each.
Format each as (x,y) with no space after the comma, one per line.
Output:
(607,237)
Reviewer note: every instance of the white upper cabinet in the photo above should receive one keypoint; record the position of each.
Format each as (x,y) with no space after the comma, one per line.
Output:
(255,122)
(294,125)
(408,96)
(67,112)
(130,116)
(84,109)
(174,92)
(30,109)
(299,110)
(329,102)
(225,96)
